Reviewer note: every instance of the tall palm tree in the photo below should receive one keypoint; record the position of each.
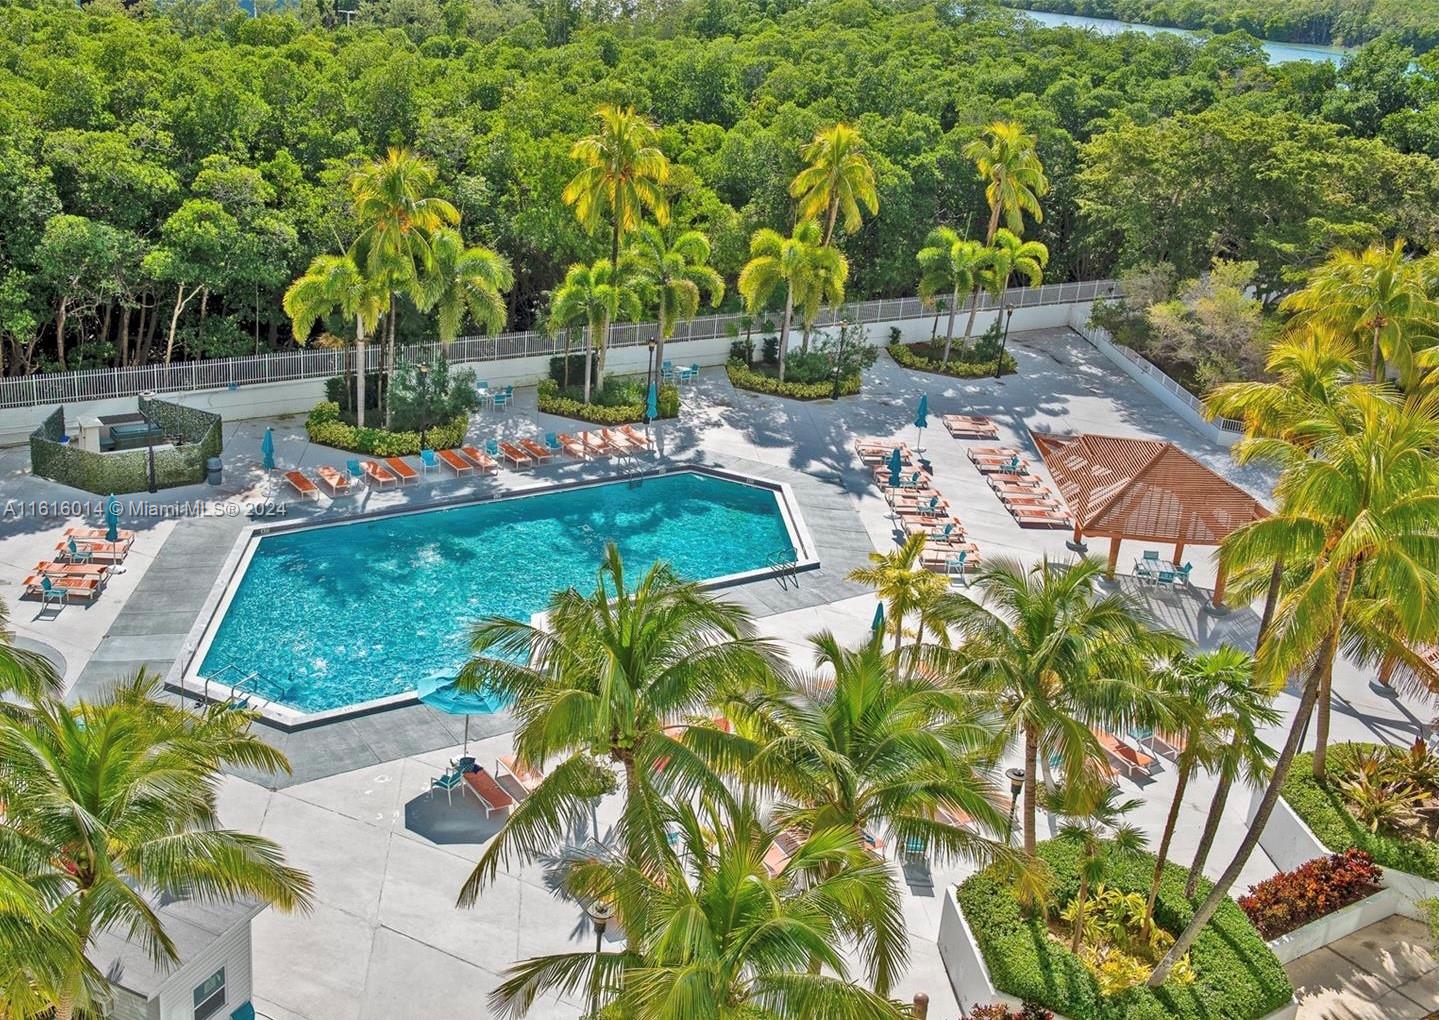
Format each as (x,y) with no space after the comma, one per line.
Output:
(777,261)
(1348,499)
(949,264)
(114,804)
(1008,162)
(824,285)
(712,934)
(1057,658)
(838,178)
(903,584)
(1379,294)
(596,688)
(39,955)
(597,297)
(23,672)
(397,212)
(459,281)
(866,747)
(623,173)
(674,272)
(1007,257)
(336,283)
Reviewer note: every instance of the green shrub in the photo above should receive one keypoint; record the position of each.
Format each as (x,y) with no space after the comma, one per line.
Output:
(325,427)
(1237,976)
(129,470)
(907,356)
(617,403)
(1321,806)
(742,377)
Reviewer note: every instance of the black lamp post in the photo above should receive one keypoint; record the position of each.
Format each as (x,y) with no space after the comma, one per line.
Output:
(1003,340)
(424,371)
(600,913)
(839,358)
(650,381)
(1016,787)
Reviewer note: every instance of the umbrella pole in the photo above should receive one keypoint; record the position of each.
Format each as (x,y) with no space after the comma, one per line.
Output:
(466,751)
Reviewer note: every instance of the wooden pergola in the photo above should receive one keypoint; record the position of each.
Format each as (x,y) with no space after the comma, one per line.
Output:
(1147,491)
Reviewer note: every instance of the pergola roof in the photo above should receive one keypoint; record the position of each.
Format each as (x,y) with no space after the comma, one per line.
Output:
(1143,489)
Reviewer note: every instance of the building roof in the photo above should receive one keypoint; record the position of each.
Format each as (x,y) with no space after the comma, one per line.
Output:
(1144,489)
(193,927)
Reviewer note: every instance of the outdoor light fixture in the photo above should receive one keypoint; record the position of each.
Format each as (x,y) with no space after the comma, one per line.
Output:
(599,913)
(1016,787)
(999,361)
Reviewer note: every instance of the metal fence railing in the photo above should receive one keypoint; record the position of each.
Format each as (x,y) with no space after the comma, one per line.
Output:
(322,363)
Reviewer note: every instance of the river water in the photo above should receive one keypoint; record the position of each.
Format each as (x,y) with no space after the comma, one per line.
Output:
(1278,52)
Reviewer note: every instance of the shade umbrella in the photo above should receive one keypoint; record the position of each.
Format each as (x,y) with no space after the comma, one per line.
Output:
(442,693)
(652,404)
(921,420)
(112,519)
(877,625)
(267,447)
(896,465)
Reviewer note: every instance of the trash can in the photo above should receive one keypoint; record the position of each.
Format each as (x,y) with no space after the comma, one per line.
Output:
(213,467)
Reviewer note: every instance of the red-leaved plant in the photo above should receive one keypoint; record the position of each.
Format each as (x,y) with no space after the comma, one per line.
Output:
(999,1011)
(1292,899)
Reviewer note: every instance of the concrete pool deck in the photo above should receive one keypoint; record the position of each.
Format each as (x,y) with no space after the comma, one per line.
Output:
(385,940)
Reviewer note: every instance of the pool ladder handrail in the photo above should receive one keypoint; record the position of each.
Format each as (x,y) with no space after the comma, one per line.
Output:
(785,566)
(238,688)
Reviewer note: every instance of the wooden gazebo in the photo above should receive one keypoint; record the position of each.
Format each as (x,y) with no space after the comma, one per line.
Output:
(1145,490)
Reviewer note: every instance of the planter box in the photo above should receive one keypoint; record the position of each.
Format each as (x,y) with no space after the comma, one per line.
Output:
(1332,927)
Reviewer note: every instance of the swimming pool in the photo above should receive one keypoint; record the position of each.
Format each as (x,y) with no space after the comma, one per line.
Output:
(329,617)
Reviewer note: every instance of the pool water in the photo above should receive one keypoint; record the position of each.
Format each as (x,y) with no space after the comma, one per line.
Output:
(348,613)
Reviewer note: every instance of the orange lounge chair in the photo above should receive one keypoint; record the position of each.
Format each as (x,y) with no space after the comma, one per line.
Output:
(596,445)
(525,775)
(53,569)
(1037,498)
(786,844)
(1010,489)
(454,462)
(490,793)
(1127,757)
(516,456)
(90,550)
(81,535)
(924,512)
(402,470)
(572,445)
(879,453)
(479,458)
(303,487)
(993,451)
(619,441)
(536,450)
(333,480)
(932,526)
(970,426)
(377,475)
(1006,466)
(73,587)
(635,436)
(1039,517)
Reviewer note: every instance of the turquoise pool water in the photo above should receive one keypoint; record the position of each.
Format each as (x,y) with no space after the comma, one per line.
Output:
(348,613)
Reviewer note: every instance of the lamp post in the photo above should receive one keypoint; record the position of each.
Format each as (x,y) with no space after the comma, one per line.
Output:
(424,371)
(839,358)
(650,379)
(1016,787)
(1003,340)
(599,913)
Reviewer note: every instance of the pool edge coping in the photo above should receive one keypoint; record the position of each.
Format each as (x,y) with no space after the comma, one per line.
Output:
(184,677)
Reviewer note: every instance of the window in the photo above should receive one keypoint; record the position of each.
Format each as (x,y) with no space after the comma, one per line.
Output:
(210,995)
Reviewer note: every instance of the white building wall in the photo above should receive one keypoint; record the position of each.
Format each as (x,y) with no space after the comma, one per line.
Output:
(231,952)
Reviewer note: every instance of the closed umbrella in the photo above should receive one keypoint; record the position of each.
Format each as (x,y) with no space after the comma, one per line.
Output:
(896,465)
(112,519)
(877,625)
(652,404)
(441,692)
(267,447)
(921,421)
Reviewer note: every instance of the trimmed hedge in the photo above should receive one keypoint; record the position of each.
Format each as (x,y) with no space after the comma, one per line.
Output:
(907,358)
(742,377)
(325,427)
(1321,806)
(128,470)
(551,401)
(1237,976)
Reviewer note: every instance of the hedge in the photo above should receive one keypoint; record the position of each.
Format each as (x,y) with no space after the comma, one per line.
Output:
(906,358)
(552,402)
(129,470)
(325,427)
(1322,808)
(742,377)
(1237,976)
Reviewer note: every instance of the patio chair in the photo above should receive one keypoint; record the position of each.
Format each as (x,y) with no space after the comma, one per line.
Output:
(504,398)
(353,466)
(50,593)
(689,375)
(448,782)
(428,461)
(667,371)
(1181,574)
(553,444)
(76,554)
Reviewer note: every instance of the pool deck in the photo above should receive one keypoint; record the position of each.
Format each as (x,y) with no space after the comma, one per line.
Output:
(385,940)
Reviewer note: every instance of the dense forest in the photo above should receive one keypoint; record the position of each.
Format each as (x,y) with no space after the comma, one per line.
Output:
(183,164)
(1413,23)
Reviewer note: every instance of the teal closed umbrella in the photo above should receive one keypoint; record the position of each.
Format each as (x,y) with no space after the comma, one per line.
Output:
(652,404)
(896,465)
(267,448)
(112,519)
(921,420)
(877,625)
(442,693)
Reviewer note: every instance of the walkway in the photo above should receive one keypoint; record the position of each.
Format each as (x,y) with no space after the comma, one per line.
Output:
(1387,971)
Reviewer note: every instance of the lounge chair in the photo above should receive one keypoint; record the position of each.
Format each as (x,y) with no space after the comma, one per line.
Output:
(402,470)
(54,569)
(1013,480)
(538,451)
(509,451)
(1131,759)
(449,782)
(1038,498)
(908,479)
(928,511)
(454,462)
(480,459)
(490,793)
(993,451)
(901,502)
(880,452)
(596,445)
(1009,465)
(620,441)
(68,587)
(573,445)
(378,476)
(304,488)
(970,426)
(90,551)
(937,528)
(525,775)
(1040,517)
(635,436)
(122,537)
(948,560)
(333,480)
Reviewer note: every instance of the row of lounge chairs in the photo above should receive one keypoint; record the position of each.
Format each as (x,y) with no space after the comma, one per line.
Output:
(83,562)
(919,508)
(1028,499)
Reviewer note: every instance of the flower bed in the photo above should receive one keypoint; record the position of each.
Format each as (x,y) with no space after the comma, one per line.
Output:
(742,377)
(1323,808)
(1313,890)
(325,427)
(919,357)
(552,401)
(1236,976)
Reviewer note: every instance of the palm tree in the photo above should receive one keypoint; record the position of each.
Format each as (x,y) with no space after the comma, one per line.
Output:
(623,174)
(595,296)
(718,935)
(459,281)
(397,211)
(824,285)
(113,804)
(23,672)
(778,261)
(1094,818)
(1057,658)
(336,283)
(1008,163)
(1348,498)
(838,178)
(1007,257)
(949,264)
(903,584)
(38,954)
(596,688)
(1379,294)
(675,273)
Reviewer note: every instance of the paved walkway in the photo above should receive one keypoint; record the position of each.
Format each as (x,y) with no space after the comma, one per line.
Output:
(1387,971)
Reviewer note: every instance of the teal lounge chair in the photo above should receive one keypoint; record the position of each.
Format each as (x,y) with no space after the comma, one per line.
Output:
(353,466)
(428,461)
(49,593)
(553,444)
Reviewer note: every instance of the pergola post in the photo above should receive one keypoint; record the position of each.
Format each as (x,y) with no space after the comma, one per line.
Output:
(1077,542)
(1220,577)
(1114,541)
(1179,554)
